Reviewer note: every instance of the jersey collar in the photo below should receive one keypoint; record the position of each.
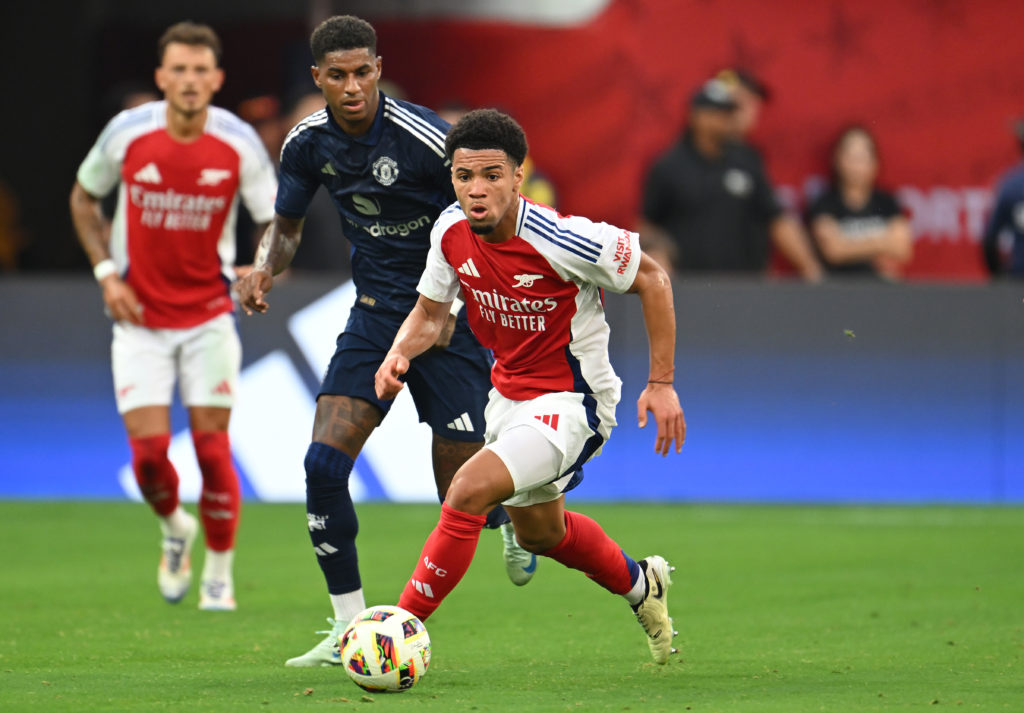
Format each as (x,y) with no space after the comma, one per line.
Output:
(371,137)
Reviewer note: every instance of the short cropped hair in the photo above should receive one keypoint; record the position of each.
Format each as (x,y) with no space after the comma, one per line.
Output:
(189,33)
(342,32)
(487,129)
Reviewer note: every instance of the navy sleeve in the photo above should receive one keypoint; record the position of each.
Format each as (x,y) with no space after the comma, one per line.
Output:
(297,183)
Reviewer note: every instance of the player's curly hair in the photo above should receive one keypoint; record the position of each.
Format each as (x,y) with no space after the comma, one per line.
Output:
(487,129)
(189,33)
(342,32)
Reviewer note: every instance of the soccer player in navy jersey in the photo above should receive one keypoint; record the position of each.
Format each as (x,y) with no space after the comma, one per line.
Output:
(533,280)
(383,162)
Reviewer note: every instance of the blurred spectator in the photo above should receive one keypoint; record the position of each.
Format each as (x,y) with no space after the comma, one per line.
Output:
(1003,242)
(707,203)
(750,94)
(127,95)
(263,112)
(536,186)
(858,228)
(12,239)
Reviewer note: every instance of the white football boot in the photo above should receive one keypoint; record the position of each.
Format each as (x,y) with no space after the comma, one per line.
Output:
(652,612)
(519,564)
(174,575)
(216,586)
(217,595)
(327,652)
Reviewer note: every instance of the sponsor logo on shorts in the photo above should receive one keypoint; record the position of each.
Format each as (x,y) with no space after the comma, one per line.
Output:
(462,423)
(549,419)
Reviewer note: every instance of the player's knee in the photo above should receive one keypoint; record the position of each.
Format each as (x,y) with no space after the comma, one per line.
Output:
(326,467)
(471,495)
(149,454)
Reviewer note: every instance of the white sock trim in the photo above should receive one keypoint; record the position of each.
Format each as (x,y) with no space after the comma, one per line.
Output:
(217,565)
(347,605)
(639,590)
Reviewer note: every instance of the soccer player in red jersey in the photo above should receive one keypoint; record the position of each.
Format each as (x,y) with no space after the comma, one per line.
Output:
(165,265)
(532,281)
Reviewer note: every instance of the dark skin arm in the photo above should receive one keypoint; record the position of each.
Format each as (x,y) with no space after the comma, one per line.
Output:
(274,254)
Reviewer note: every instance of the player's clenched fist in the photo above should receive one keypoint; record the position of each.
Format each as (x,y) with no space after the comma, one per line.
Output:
(386,380)
(252,288)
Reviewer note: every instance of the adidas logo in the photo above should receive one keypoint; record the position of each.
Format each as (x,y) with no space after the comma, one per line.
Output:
(549,420)
(462,423)
(148,174)
(468,268)
(223,388)
(328,169)
(423,588)
(324,549)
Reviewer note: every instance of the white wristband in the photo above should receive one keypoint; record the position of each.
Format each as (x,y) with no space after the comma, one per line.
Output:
(104,269)
(456,306)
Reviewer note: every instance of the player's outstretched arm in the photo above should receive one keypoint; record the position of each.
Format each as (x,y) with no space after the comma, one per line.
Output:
(659,397)
(418,333)
(93,235)
(274,254)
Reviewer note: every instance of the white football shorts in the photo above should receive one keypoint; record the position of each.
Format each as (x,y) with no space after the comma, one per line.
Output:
(544,441)
(205,359)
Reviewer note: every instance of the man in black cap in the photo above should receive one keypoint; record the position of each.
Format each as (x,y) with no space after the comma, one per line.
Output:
(707,203)
(1007,258)
(750,94)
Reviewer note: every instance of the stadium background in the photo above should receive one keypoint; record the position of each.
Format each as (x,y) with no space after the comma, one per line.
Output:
(922,404)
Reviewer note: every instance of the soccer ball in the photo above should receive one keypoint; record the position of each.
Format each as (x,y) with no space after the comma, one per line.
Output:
(385,648)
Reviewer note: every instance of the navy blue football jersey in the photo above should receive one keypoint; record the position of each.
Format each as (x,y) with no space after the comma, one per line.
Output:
(388,185)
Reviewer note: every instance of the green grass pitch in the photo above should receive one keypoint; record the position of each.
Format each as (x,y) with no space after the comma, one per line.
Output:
(786,609)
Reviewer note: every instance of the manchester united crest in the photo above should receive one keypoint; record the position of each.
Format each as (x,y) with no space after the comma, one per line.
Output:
(385,170)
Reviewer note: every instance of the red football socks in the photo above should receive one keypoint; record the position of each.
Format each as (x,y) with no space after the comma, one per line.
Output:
(156,476)
(587,548)
(445,558)
(221,498)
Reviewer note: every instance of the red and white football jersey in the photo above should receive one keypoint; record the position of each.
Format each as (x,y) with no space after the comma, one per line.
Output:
(173,234)
(535,300)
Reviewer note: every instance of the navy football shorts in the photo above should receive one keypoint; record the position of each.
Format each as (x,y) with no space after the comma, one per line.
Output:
(449,386)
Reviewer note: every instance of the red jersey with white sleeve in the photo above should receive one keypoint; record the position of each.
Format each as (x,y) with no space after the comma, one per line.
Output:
(535,300)
(173,233)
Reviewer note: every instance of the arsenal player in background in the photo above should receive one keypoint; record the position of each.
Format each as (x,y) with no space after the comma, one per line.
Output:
(165,266)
